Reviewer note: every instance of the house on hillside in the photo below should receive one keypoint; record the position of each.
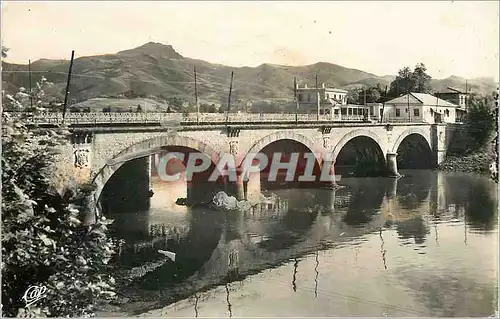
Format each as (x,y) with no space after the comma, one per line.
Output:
(456,97)
(420,107)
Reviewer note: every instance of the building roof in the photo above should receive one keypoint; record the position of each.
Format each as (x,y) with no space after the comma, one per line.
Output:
(421,98)
(322,88)
(428,99)
(451,90)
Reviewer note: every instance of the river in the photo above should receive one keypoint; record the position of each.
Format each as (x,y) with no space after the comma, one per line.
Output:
(423,245)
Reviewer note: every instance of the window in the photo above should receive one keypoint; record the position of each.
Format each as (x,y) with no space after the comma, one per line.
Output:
(336,112)
(398,113)
(299,97)
(416,112)
(308,97)
(446,113)
(349,111)
(343,111)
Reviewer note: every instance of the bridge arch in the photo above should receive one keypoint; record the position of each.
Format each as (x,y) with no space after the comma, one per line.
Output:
(409,132)
(146,148)
(357,133)
(414,149)
(283,135)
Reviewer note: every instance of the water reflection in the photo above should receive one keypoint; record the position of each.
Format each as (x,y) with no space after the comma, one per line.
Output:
(413,228)
(218,248)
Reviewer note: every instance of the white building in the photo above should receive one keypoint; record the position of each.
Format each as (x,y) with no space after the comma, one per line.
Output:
(420,107)
(330,99)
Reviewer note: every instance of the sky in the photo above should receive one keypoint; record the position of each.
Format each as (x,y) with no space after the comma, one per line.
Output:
(450,38)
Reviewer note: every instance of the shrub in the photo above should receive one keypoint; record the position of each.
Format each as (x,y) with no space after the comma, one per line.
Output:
(480,124)
(43,240)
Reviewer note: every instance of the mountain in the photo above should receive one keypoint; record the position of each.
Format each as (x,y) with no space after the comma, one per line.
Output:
(483,86)
(157,71)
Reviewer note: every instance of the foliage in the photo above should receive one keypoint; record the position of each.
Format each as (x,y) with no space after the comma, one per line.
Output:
(176,102)
(26,101)
(4,51)
(208,108)
(357,95)
(417,81)
(494,166)
(480,123)
(43,240)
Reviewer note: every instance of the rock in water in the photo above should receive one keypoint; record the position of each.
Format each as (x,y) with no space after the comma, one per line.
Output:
(223,201)
(169,254)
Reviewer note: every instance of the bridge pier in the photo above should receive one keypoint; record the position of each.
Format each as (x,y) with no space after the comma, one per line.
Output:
(392,165)
(327,177)
(252,191)
(237,188)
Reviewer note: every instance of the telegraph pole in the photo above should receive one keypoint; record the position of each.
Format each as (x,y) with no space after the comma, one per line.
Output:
(296,100)
(408,107)
(196,98)
(317,97)
(383,105)
(364,95)
(67,84)
(229,98)
(29,74)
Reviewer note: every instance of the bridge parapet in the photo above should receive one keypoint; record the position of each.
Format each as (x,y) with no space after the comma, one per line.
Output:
(202,118)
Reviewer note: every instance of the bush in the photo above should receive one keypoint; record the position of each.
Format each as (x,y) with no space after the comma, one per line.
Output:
(43,240)
(480,124)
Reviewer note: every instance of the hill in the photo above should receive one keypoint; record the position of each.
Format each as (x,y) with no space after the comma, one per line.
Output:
(157,71)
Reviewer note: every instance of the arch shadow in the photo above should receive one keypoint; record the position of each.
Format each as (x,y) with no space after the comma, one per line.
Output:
(147,148)
(353,134)
(360,156)
(283,135)
(414,151)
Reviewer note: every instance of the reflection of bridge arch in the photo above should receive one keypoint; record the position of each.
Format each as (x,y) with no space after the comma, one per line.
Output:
(146,148)
(357,133)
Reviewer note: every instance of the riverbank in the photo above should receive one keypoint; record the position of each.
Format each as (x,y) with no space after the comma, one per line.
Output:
(478,163)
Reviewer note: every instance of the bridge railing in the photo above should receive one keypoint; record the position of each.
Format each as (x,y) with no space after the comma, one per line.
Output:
(148,118)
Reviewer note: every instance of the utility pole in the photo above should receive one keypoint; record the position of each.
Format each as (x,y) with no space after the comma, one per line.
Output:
(317,97)
(383,105)
(229,98)
(364,95)
(466,94)
(364,100)
(296,100)
(67,85)
(29,74)
(196,98)
(408,106)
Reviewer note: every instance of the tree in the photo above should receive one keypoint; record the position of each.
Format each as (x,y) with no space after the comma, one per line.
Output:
(421,81)
(480,123)
(373,95)
(407,81)
(44,242)
(4,52)
(357,95)
(353,96)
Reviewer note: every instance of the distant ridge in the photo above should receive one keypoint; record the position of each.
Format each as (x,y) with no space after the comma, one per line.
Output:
(157,70)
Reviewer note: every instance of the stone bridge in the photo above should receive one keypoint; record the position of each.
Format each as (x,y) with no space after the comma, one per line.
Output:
(102,143)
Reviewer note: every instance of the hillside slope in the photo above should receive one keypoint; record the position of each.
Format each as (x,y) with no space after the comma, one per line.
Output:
(157,70)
